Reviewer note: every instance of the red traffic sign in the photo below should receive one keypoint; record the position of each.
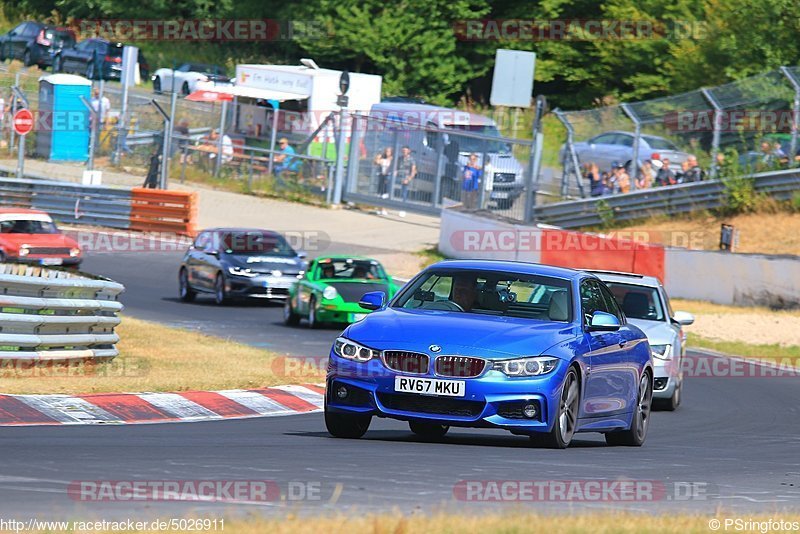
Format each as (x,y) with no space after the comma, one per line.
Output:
(23,122)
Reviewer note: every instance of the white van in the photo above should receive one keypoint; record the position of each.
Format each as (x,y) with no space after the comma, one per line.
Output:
(432,134)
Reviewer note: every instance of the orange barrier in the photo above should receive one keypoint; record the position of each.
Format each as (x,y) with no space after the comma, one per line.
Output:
(158,210)
(590,251)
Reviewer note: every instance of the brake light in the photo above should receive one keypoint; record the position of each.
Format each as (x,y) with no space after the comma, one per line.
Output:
(42,39)
(112,59)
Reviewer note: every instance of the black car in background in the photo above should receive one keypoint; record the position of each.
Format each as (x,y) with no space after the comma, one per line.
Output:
(95,59)
(35,43)
(239,263)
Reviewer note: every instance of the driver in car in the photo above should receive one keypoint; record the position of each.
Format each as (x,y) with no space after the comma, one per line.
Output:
(465,290)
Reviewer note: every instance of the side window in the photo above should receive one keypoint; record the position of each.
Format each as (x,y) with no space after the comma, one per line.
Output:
(623,140)
(202,241)
(20,28)
(591,300)
(607,139)
(612,304)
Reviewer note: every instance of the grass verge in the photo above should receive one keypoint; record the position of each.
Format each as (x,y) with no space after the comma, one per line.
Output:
(429,256)
(508,523)
(158,358)
(745,350)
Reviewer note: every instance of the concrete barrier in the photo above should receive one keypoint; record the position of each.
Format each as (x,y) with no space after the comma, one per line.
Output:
(719,277)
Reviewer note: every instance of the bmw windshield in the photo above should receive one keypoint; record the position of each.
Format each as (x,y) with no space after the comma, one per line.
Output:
(490,293)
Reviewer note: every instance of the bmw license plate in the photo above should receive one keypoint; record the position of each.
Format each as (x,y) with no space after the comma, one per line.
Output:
(429,386)
(354,317)
(51,261)
(500,195)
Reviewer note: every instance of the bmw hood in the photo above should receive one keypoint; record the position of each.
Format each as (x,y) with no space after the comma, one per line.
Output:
(457,333)
(657,332)
(266,264)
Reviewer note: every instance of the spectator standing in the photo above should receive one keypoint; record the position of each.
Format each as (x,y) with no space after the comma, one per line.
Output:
(101,106)
(595,179)
(693,171)
(471,181)
(383,161)
(665,176)
(646,175)
(623,180)
(406,172)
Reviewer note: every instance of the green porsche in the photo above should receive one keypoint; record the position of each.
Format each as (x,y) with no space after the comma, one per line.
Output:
(331,287)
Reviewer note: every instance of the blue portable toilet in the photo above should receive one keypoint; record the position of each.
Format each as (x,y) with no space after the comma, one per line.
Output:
(64,122)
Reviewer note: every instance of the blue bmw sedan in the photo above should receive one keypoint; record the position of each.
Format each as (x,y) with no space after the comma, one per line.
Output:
(536,350)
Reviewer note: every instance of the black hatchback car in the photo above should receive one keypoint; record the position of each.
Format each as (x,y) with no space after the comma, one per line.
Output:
(95,59)
(35,43)
(239,263)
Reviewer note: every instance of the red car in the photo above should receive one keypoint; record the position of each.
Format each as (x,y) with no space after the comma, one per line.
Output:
(31,236)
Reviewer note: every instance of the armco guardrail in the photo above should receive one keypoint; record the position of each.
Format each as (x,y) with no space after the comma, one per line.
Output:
(56,315)
(669,200)
(147,210)
(68,202)
(156,210)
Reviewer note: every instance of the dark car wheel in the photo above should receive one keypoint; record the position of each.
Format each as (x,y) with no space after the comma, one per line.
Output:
(157,85)
(313,321)
(566,416)
(26,58)
(505,204)
(290,318)
(636,434)
(220,294)
(428,430)
(185,89)
(3,56)
(341,425)
(185,290)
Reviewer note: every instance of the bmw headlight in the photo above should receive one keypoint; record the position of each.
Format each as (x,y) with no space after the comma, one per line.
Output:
(662,352)
(330,293)
(353,351)
(540,365)
(238,271)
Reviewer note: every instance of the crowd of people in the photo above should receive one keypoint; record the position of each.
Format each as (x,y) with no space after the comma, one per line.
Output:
(654,172)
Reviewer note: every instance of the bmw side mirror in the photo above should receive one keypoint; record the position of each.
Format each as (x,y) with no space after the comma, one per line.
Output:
(604,322)
(374,300)
(214,253)
(302,254)
(683,318)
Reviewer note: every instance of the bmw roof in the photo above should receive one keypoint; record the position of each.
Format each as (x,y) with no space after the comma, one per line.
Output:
(519,267)
(627,278)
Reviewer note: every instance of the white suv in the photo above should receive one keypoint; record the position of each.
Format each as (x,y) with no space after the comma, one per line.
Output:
(646,305)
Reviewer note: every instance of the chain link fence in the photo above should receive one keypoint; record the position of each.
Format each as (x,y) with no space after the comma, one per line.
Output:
(745,126)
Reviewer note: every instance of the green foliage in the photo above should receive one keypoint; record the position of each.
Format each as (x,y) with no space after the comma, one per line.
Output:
(795,202)
(739,195)
(606,214)
(414,46)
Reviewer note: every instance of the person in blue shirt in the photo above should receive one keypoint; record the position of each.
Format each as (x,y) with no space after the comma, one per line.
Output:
(284,160)
(471,181)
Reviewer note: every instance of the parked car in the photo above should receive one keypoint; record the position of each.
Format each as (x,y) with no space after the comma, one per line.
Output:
(533,349)
(428,130)
(31,236)
(239,263)
(608,147)
(96,58)
(35,43)
(646,305)
(331,288)
(184,79)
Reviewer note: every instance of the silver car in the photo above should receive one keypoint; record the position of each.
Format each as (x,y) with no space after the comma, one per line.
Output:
(646,305)
(608,148)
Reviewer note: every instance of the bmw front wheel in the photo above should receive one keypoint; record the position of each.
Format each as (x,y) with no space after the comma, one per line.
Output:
(342,425)
(566,417)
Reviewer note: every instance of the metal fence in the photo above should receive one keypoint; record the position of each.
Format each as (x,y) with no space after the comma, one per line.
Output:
(422,167)
(51,315)
(751,124)
(682,198)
